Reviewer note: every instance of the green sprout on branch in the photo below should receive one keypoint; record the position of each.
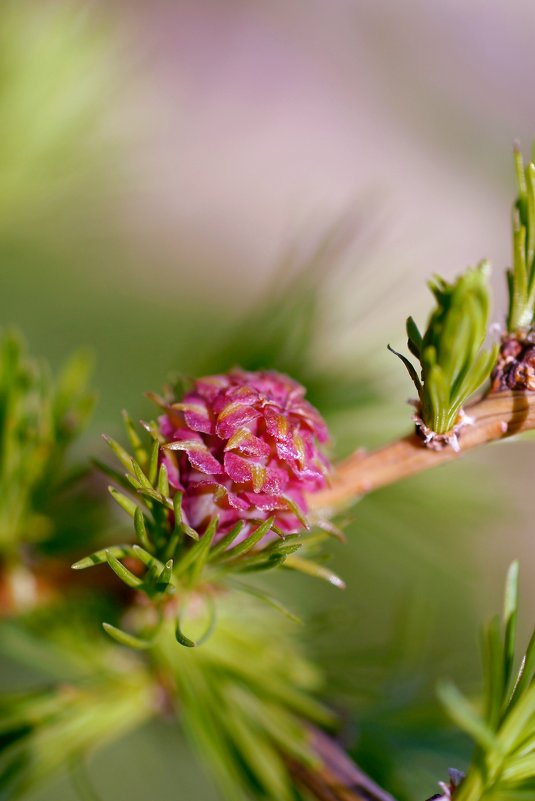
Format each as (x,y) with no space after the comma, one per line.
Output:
(521,278)
(503,765)
(452,361)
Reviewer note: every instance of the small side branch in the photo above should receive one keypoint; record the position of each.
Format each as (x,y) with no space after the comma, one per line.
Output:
(339,779)
(497,416)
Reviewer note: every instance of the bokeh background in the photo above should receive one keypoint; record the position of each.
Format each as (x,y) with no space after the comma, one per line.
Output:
(189,184)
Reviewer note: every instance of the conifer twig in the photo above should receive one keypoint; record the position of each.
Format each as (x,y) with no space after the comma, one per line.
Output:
(339,778)
(496,416)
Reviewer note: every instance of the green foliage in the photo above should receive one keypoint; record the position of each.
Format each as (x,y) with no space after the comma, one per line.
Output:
(39,418)
(453,364)
(75,692)
(44,730)
(521,278)
(247,698)
(503,766)
(174,560)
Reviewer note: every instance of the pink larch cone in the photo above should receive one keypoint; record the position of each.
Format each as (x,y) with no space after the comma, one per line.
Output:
(244,446)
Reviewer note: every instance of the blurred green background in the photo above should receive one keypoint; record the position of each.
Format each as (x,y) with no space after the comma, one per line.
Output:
(192,184)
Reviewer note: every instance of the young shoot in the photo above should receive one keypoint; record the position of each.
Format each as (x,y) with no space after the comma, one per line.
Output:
(453,363)
(503,729)
(521,277)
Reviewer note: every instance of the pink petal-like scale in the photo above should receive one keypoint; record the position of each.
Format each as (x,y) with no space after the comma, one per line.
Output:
(196,414)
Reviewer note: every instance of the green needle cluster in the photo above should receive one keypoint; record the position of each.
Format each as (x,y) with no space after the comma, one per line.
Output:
(453,363)
(521,278)
(503,766)
(247,697)
(39,418)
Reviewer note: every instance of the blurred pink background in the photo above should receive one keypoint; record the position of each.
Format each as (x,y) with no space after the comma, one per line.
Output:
(257,125)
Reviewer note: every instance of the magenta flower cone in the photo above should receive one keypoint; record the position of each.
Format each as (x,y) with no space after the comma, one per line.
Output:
(244,446)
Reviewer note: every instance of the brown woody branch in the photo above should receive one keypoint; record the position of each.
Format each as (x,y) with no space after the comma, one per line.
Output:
(497,416)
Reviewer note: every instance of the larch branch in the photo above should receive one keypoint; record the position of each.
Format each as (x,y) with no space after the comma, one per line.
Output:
(497,416)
